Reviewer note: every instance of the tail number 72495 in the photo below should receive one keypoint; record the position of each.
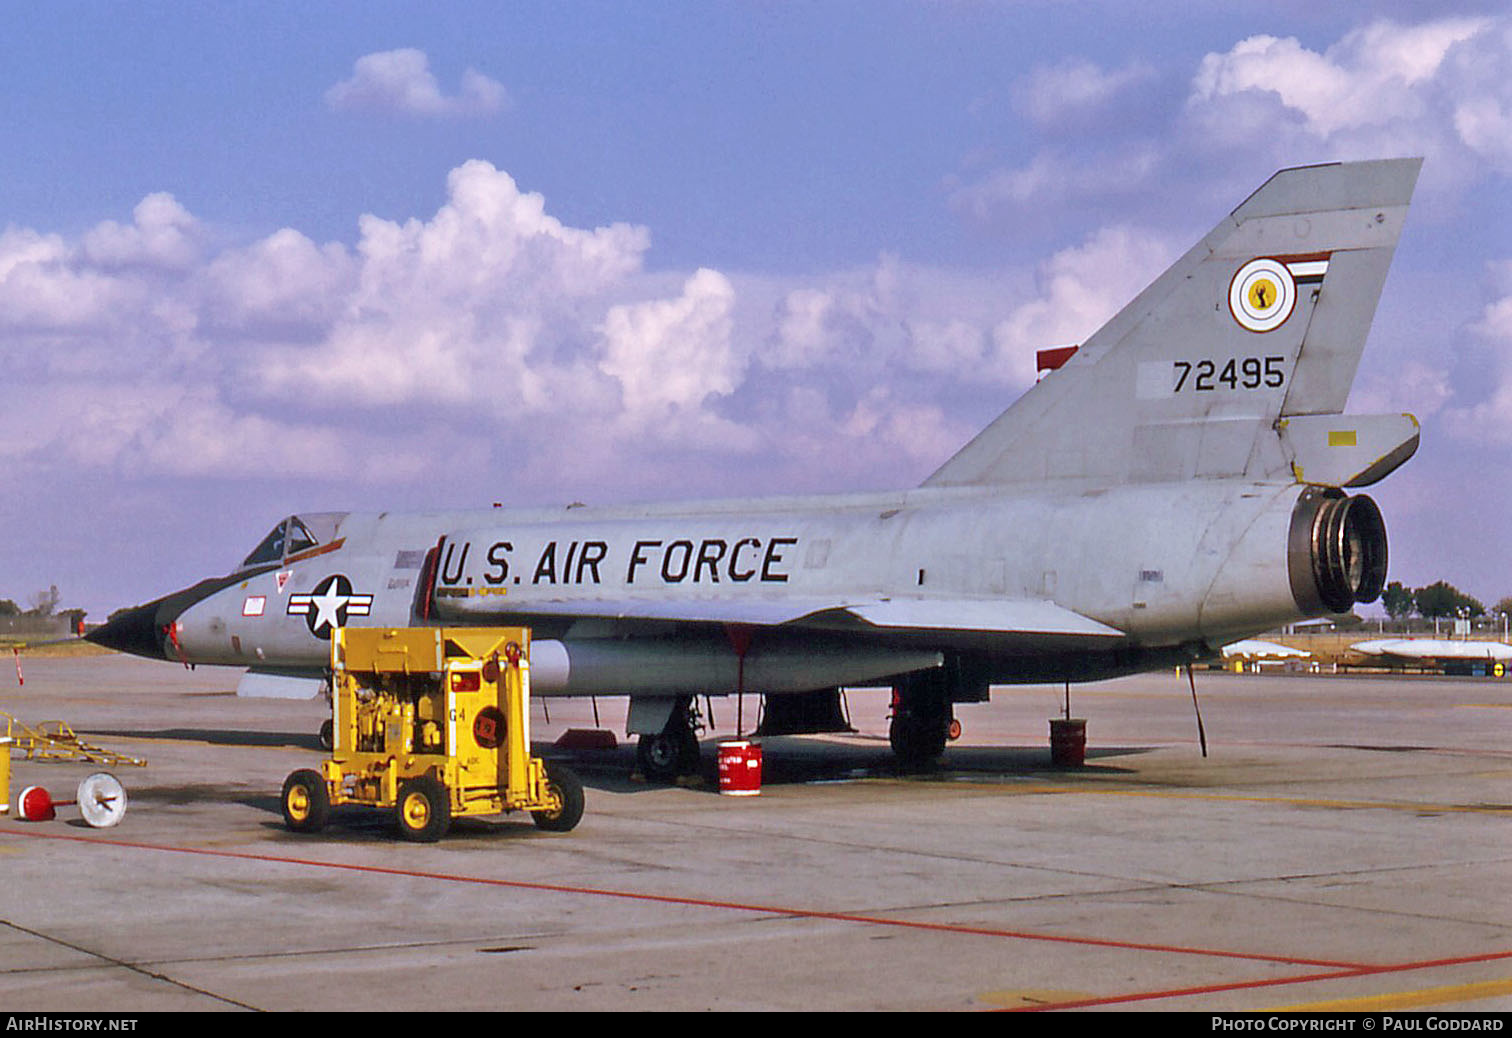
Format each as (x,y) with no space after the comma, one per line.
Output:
(1205,376)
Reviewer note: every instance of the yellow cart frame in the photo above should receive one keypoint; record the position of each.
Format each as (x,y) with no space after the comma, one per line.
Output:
(432,723)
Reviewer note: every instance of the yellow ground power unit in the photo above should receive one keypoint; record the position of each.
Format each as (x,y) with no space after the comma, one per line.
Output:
(432,723)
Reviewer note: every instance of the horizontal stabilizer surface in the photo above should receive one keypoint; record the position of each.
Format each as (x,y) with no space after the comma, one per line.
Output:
(1348,450)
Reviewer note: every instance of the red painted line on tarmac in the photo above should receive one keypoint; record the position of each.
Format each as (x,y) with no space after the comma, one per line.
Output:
(669,899)
(1241,985)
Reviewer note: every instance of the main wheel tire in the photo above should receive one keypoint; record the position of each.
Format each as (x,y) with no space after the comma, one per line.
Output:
(917,741)
(567,789)
(921,719)
(306,802)
(327,735)
(423,810)
(667,755)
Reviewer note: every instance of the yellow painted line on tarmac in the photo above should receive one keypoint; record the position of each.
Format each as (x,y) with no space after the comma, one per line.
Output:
(1357,805)
(1403,1000)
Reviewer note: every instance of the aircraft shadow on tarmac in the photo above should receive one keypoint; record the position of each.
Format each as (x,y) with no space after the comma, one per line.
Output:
(795,760)
(214,736)
(787,760)
(792,762)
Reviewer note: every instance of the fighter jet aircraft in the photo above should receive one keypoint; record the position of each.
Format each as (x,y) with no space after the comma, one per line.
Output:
(1445,653)
(1179,481)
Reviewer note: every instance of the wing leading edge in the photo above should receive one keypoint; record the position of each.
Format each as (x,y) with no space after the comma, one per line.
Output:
(982,616)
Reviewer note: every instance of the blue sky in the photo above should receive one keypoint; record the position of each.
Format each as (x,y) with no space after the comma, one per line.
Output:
(263,258)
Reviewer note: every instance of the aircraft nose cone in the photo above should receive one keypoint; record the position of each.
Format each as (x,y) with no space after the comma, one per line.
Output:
(142,630)
(135,631)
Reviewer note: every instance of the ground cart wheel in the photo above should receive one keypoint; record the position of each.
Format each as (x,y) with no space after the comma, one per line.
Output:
(567,789)
(306,802)
(423,811)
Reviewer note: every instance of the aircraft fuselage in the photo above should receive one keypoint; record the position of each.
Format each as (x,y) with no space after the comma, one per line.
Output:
(1075,583)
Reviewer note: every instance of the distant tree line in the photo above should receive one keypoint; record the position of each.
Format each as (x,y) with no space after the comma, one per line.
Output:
(44,604)
(44,615)
(1437,601)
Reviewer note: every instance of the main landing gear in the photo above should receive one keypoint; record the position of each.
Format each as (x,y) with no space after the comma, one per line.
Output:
(671,753)
(923,719)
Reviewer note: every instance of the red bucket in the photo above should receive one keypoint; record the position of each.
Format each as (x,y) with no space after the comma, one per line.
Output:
(740,768)
(1068,742)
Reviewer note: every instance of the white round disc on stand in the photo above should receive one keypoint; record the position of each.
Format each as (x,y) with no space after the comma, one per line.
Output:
(102,800)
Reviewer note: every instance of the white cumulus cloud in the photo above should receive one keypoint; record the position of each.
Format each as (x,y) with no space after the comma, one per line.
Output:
(672,354)
(162,233)
(1488,419)
(1437,88)
(401,82)
(491,331)
(284,279)
(1079,289)
(1075,88)
(491,292)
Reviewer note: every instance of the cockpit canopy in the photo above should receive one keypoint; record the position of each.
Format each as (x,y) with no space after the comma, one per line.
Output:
(295,534)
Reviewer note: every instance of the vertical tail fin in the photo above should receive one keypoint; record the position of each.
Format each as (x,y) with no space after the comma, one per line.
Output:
(1262,320)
